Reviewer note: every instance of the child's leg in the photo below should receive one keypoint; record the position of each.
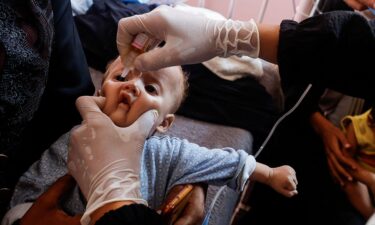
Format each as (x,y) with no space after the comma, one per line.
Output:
(359,196)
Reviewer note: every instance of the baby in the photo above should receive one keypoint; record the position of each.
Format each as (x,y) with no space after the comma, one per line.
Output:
(166,161)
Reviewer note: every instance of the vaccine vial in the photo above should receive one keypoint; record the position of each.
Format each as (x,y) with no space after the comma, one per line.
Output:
(141,44)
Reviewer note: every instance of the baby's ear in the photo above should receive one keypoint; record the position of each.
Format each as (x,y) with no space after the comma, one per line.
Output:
(166,123)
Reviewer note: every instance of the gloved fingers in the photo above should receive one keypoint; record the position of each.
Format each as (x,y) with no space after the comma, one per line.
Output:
(90,106)
(125,35)
(129,27)
(150,61)
(52,196)
(143,126)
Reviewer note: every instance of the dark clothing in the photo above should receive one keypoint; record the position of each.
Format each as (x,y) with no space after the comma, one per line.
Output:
(135,214)
(97,29)
(26,38)
(330,51)
(68,78)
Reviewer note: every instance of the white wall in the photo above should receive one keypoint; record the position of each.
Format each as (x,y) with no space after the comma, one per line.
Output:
(246,9)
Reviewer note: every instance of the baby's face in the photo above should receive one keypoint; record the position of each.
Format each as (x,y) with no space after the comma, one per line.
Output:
(127,100)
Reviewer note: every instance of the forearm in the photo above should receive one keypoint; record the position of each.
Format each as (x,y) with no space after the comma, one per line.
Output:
(269,40)
(371,183)
(262,173)
(316,121)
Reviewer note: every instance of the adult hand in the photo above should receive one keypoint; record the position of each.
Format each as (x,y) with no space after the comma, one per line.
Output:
(45,209)
(105,159)
(365,176)
(360,4)
(189,37)
(193,214)
(335,145)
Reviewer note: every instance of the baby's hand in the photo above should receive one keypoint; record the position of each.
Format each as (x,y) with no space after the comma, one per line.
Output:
(283,180)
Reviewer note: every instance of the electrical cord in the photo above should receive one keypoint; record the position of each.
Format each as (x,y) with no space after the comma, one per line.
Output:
(261,148)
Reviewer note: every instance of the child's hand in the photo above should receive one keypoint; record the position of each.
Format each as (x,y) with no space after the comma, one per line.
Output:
(283,180)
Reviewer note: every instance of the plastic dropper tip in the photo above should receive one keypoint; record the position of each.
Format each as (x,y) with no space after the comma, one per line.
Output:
(123,74)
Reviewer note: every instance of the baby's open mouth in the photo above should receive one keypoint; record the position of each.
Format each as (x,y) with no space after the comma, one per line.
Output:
(125,99)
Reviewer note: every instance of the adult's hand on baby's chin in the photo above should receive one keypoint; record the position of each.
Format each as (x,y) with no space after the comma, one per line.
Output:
(193,213)
(90,105)
(103,157)
(45,209)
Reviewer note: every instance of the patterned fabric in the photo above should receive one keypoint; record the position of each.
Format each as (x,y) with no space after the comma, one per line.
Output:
(25,66)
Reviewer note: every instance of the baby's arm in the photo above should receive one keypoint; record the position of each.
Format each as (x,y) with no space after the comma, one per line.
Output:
(191,163)
(282,179)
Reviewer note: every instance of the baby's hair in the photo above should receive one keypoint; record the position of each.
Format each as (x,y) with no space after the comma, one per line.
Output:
(184,87)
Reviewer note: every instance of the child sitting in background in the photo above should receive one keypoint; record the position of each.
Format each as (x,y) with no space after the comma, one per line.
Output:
(166,161)
(360,132)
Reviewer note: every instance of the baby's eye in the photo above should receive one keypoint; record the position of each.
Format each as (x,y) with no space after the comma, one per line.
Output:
(151,89)
(120,78)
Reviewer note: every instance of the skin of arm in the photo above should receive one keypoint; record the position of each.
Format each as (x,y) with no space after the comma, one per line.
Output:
(335,144)
(46,210)
(360,4)
(350,135)
(282,179)
(269,41)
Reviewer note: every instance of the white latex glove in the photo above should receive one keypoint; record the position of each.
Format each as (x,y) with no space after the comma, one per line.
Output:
(190,37)
(105,159)
(371,221)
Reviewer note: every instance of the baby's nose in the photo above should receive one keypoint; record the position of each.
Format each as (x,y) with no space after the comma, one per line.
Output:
(132,88)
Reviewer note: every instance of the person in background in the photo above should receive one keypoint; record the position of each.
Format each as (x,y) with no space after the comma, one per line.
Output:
(42,72)
(360,132)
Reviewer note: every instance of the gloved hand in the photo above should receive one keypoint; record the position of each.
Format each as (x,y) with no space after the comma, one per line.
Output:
(105,159)
(190,37)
